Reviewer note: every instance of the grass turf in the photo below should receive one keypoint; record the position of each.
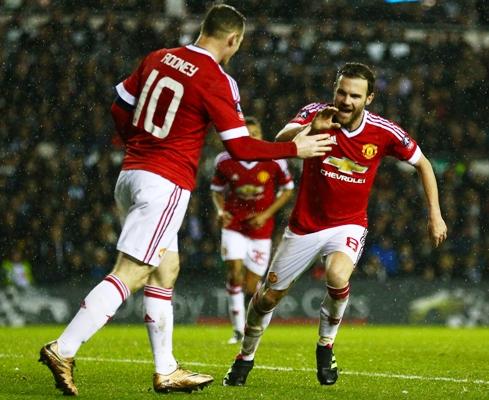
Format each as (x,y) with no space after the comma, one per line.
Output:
(374,362)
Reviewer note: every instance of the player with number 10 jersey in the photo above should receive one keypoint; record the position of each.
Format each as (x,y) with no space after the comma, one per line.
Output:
(194,90)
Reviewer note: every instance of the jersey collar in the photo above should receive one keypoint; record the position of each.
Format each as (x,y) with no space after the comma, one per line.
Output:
(248,164)
(359,130)
(200,50)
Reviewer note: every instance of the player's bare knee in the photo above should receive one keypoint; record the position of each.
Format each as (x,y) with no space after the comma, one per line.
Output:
(166,274)
(337,279)
(132,272)
(339,268)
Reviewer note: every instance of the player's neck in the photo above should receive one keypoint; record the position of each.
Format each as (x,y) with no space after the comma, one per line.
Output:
(211,46)
(355,124)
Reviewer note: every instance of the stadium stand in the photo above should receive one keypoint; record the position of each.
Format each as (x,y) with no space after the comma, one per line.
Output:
(58,65)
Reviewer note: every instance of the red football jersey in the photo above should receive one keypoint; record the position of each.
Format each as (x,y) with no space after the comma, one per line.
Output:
(334,189)
(177,94)
(251,188)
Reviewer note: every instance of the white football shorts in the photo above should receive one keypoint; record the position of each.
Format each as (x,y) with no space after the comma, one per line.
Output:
(255,253)
(151,212)
(296,253)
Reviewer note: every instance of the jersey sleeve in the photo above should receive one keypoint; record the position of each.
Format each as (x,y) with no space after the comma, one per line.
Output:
(284,178)
(222,104)
(307,113)
(129,89)
(403,146)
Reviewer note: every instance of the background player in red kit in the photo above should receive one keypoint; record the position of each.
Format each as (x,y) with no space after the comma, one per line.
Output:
(247,195)
(162,112)
(329,219)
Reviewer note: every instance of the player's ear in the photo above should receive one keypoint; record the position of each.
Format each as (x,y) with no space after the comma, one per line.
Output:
(233,39)
(370,98)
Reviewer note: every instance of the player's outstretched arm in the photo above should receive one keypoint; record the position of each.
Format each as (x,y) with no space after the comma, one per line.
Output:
(290,131)
(249,149)
(436,225)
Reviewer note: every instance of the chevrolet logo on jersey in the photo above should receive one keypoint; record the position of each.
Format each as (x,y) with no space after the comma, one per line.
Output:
(250,192)
(345,165)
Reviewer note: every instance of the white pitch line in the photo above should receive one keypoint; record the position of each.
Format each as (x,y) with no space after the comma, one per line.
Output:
(286,369)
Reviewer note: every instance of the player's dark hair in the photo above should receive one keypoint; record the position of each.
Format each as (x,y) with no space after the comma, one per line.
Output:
(357,70)
(222,19)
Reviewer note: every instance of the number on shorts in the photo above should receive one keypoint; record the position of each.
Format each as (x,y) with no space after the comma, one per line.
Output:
(352,243)
(166,82)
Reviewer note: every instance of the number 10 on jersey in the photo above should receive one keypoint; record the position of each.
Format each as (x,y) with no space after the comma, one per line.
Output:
(154,95)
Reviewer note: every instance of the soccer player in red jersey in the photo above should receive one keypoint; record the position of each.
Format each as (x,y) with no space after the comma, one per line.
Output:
(246,196)
(329,219)
(162,113)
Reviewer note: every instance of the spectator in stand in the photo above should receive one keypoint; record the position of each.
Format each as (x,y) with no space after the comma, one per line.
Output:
(77,128)
(17,270)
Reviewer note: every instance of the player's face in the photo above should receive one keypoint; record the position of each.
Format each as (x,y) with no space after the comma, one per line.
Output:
(255,131)
(350,97)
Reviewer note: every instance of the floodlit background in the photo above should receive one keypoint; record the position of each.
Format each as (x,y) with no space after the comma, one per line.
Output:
(59,61)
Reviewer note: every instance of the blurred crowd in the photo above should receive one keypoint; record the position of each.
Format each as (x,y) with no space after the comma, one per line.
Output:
(60,160)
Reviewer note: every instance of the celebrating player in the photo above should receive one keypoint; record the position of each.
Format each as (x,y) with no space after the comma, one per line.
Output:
(329,219)
(162,113)
(244,194)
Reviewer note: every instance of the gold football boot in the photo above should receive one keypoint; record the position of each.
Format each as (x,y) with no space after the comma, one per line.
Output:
(61,368)
(181,380)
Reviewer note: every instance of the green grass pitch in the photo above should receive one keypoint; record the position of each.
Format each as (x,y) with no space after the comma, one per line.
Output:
(375,363)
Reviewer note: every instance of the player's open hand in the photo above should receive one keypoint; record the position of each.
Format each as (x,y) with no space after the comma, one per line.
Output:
(312,146)
(323,120)
(437,230)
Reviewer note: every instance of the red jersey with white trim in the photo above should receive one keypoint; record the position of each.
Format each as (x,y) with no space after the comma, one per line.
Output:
(177,94)
(334,188)
(250,187)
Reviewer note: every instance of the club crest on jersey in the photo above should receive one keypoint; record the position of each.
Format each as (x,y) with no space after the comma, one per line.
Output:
(263,176)
(369,151)
(345,165)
